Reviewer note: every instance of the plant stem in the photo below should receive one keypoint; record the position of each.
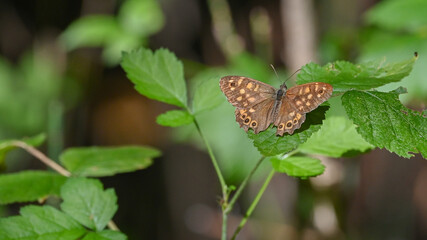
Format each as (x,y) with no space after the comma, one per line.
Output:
(36,153)
(49,162)
(254,204)
(214,162)
(243,185)
(224,225)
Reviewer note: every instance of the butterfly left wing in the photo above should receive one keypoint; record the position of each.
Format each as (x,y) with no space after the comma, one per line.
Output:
(254,101)
(243,92)
(298,101)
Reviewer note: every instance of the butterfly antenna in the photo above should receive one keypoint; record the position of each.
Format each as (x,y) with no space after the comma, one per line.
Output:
(274,69)
(284,84)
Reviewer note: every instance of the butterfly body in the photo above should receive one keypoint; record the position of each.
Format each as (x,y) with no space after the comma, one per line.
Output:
(259,104)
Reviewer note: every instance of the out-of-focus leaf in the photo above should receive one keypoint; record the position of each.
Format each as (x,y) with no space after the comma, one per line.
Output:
(344,76)
(380,44)
(86,201)
(336,137)
(174,118)
(141,17)
(92,31)
(384,122)
(107,161)
(158,75)
(409,15)
(37,222)
(28,186)
(298,166)
(105,235)
(207,94)
(268,144)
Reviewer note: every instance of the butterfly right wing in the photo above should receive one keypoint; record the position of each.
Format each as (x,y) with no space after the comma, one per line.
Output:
(254,101)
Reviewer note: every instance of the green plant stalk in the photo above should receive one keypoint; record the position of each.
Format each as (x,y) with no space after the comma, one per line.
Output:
(224,187)
(55,129)
(214,161)
(254,204)
(242,186)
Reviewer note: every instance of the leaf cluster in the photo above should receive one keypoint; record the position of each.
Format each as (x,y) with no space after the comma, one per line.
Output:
(359,118)
(84,213)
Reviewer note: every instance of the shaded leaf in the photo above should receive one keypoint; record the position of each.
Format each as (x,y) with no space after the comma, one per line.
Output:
(158,75)
(28,186)
(105,235)
(298,166)
(107,161)
(269,144)
(86,201)
(37,222)
(336,137)
(207,94)
(384,122)
(174,118)
(345,76)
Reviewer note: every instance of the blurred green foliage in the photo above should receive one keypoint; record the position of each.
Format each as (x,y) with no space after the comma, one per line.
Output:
(135,22)
(398,28)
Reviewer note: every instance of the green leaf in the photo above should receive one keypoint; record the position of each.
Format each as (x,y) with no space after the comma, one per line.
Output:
(174,118)
(105,235)
(337,136)
(8,145)
(298,166)
(87,202)
(384,122)
(207,94)
(159,75)
(344,76)
(28,186)
(92,31)
(37,222)
(411,15)
(269,144)
(141,17)
(107,161)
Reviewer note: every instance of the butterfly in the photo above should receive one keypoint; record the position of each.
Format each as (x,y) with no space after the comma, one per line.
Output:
(259,104)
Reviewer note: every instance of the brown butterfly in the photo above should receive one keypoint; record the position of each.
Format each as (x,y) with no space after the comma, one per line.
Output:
(259,104)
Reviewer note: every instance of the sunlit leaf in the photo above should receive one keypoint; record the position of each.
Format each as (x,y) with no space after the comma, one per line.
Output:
(37,222)
(158,75)
(344,76)
(86,201)
(384,122)
(174,118)
(298,166)
(21,187)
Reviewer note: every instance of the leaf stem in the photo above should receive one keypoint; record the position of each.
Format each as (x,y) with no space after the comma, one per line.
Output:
(214,162)
(254,204)
(42,157)
(243,185)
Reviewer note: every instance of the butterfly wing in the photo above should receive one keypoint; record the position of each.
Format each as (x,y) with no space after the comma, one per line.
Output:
(254,101)
(257,117)
(298,101)
(243,92)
